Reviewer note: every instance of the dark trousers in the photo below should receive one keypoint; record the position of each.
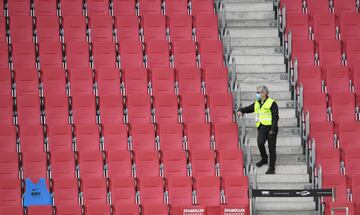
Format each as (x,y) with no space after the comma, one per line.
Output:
(263,135)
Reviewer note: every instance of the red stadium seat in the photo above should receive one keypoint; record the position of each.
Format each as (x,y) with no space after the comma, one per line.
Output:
(28,110)
(34,165)
(31,138)
(208,190)
(226,136)
(349,26)
(322,133)
(236,190)
(6,110)
(193,108)
(174,163)
(316,107)
(91,166)
(8,138)
(115,137)
(94,191)
(104,55)
(118,165)
(19,8)
(318,7)
(147,7)
(71,8)
(147,164)
(139,108)
(50,54)
(154,26)
(202,163)
(348,132)
(107,81)
(170,137)
(9,166)
(351,159)
(26,82)
(97,7)
(65,192)
(59,138)
(10,193)
(162,81)
(303,51)
(126,209)
(77,54)
(211,54)
(199,7)
(2,7)
(329,52)
(189,80)
(53,82)
(131,54)
(142,137)
(157,54)
(83,109)
(45,8)
(180,191)
(3,37)
(111,109)
(178,7)
(74,28)
(151,190)
(47,28)
(97,209)
(81,81)
(123,191)
(69,210)
(341,7)
(180,25)
(155,209)
(206,27)
(123,7)
(21,29)
(12,210)
(298,25)
(329,159)
(324,26)
(127,27)
(5,82)
(87,137)
(166,108)
(184,53)
(221,108)
(337,79)
(45,210)
(62,165)
(352,52)
(23,55)
(309,76)
(56,110)
(231,163)
(339,183)
(4,55)
(198,136)
(101,28)
(291,6)
(342,106)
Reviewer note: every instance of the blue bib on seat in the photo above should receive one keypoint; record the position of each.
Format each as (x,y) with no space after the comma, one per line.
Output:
(36,194)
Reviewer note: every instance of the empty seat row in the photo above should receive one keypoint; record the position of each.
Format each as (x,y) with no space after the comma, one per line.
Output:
(115,137)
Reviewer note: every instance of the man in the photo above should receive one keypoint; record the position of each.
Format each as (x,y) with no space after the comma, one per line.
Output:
(267,117)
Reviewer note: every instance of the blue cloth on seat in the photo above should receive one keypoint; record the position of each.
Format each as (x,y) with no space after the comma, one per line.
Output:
(36,193)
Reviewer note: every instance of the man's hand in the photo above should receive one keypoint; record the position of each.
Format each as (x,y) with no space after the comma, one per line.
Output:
(239,114)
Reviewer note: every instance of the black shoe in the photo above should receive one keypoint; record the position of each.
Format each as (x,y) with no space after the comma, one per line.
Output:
(261,163)
(270,171)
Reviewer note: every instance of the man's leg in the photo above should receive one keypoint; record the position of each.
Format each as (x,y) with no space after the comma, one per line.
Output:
(261,139)
(272,149)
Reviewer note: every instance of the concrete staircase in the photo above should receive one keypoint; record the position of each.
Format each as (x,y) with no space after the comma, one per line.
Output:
(255,46)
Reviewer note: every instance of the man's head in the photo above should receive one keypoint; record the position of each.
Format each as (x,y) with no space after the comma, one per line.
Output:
(262,92)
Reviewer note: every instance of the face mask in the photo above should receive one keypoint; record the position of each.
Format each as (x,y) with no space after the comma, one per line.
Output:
(258,97)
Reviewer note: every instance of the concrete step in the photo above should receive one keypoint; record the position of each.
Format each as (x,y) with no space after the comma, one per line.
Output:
(255,41)
(260,68)
(249,6)
(242,1)
(281,141)
(281,150)
(283,178)
(283,132)
(286,206)
(284,186)
(285,169)
(284,159)
(273,85)
(249,50)
(253,32)
(310,212)
(258,59)
(277,95)
(251,23)
(280,103)
(249,15)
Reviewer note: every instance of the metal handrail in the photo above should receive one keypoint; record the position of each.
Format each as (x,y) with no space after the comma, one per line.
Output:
(227,47)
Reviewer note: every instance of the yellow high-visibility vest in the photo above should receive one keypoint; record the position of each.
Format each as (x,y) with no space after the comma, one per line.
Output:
(263,115)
